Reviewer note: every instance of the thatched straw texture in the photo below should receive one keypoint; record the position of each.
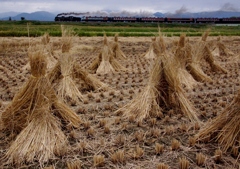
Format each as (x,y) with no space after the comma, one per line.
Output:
(32,113)
(117,52)
(225,128)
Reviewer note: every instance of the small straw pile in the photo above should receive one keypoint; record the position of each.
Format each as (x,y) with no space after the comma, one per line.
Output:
(183,57)
(105,62)
(35,114)
(90,81)
(225,128)
(117,52)
(221,50)
(152,52)
(162,93)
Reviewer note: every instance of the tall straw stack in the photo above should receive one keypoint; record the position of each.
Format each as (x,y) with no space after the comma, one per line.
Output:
(117,52)
(225,128)
(62,73)
(35,114)
(162,93)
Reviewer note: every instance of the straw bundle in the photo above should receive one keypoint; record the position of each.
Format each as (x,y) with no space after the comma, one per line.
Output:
(117,52)
(32,114)
(207,55)
(162,93)
(105,62)
(45,39)
(210,59)
(105,65)
(198,54)
(92,82)
(63,75)
(153,50)
(225,128)
(221,50)
(42,139)
(183,57)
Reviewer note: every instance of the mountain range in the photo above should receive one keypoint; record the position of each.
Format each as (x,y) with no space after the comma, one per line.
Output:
(47,16)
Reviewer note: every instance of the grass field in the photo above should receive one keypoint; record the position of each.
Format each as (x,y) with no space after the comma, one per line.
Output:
(36,28)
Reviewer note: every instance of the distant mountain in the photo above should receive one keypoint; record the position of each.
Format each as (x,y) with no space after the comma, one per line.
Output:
(159,14)
(39,16)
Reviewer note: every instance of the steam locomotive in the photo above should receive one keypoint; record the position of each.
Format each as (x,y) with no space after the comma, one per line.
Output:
(80,18)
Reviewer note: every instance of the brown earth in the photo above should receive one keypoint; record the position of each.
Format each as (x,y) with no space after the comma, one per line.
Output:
(103,132)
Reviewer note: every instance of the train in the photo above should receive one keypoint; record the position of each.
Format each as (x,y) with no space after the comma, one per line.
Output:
(75,17)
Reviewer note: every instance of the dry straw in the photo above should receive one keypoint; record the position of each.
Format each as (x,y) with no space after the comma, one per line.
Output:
(105,62)
(65,73)
(90,81)
(45,42)
(221,50)
(117,52)
(183,56)
(153,50)
(194,66)
(62,75)
(202,52)
(163,92)
(225,128)
(35,114)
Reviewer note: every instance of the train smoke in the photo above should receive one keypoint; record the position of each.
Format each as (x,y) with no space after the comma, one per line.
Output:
(229,7)
(178,12)
(122,13)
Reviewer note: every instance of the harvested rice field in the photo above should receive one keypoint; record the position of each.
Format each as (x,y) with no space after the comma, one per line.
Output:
(88,108)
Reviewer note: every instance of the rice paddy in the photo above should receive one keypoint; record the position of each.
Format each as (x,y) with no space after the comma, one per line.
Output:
(133,109)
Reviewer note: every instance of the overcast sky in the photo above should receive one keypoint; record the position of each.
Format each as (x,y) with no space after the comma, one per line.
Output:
(164,6)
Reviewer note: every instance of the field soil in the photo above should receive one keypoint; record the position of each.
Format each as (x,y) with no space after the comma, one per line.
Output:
(125,143)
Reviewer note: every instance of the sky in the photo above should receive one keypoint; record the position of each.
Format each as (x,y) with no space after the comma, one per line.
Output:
(134,6)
